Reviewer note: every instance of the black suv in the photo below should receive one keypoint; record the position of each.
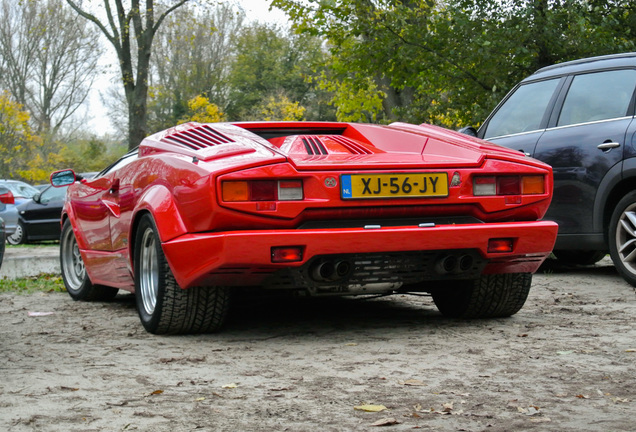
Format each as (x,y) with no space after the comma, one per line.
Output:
(579,117)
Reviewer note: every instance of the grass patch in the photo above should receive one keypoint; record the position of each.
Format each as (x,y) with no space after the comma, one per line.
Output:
(31,284)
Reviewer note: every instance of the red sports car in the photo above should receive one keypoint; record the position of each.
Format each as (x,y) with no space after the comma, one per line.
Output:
(318,208)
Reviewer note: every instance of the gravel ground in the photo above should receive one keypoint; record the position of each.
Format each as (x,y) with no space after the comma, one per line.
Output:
(565,362)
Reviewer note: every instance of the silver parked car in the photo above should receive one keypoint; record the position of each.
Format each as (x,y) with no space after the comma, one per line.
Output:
(12,193)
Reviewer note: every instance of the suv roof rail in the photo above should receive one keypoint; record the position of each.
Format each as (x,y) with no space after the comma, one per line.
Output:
(587,60)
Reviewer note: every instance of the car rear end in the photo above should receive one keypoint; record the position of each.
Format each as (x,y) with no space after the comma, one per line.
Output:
(367,209)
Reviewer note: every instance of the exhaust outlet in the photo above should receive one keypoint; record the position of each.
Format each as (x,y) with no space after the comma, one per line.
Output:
(465,263)
(323,271)
(446,265)
(342,269)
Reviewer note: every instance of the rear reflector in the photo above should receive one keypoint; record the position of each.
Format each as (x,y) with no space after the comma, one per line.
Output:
(287,254)
(501,245)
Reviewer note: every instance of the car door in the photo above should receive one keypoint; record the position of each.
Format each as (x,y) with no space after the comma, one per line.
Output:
(586,139)
(42,213)
(96,202)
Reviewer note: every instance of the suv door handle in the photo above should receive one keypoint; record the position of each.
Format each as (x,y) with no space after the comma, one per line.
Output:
(608,145)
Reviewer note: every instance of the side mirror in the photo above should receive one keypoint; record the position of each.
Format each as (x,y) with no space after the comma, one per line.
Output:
(63,178)
(468,130)
(37,197)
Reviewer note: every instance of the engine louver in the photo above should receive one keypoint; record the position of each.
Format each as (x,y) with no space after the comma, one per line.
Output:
(198,138)
(314,145)
(350,145)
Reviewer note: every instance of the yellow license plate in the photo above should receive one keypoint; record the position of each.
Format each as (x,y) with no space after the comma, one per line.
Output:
(394,185)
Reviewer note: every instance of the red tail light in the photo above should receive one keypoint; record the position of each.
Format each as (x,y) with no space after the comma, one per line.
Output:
(508,185)
(262,190)
(7,197)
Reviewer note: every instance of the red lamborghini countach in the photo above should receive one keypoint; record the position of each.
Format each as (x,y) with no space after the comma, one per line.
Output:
(307,207)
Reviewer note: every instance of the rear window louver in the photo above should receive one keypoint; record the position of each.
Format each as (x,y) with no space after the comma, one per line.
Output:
(314,145)
(352,146)
(197,138)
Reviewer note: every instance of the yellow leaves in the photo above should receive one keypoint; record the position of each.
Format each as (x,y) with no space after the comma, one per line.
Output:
(281,109)
(370,408)
(201,110)
(230,386)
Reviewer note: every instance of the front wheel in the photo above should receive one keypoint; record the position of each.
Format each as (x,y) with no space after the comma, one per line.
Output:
(622,237)
(165,308)
(76,280)
(489,296)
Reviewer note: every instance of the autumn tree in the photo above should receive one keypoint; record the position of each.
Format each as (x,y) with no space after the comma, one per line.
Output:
(192,55)
(273,63)
(18,143)
(48,60)
(131,28)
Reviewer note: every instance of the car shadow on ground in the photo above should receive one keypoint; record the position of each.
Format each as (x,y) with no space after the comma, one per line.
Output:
(604,267)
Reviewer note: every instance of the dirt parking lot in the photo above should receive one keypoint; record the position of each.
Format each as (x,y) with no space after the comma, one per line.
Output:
(566,362)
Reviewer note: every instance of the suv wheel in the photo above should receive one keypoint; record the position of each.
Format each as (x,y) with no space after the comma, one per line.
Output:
(622,237)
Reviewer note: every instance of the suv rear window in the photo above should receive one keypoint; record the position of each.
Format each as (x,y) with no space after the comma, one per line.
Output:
(598,96)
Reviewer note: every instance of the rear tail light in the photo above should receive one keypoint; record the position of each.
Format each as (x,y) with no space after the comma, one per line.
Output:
(7,197)
(508,185)
(262,190)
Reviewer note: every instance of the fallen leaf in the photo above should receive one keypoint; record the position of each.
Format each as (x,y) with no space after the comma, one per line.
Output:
(69,388)
(582,396)
(565,352)
(630,350)
(352,344)
(229,386)
(448,407)
(532,411)
(200,399)
(541,420)
(620,400)
(389,421)
(370,408)
(156,392)
(39,314)
(412,382)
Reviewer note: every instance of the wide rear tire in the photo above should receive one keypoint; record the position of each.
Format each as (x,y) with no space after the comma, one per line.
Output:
(490,296)
(165,308)
(76,280)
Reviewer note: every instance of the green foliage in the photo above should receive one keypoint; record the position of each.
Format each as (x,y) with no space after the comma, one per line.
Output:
(450,62)
(270,63)
(28,285)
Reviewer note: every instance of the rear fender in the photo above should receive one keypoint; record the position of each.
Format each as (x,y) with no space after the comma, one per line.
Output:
(160,203)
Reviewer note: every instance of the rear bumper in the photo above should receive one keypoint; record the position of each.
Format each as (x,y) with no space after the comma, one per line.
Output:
(242,258)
